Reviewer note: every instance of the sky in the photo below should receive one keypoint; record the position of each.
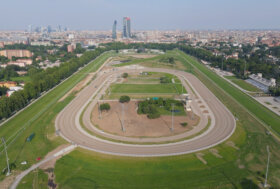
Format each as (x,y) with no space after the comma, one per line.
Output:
(144,14)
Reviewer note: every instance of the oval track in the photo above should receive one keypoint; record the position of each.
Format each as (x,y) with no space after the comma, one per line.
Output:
(68,123)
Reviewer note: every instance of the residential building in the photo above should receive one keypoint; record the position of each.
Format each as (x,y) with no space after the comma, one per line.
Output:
(8,84)
(16,53)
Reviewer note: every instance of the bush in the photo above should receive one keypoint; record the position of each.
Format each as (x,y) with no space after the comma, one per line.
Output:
(154,115)
(165,80)
(105,106)
(124,99)
(184,124)
(125,75)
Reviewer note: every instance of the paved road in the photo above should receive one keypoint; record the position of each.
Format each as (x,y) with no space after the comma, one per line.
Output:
(68,122)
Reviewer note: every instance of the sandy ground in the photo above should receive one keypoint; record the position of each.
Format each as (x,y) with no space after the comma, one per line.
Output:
(84,82)
(4,184)
(79,86)
(139,125)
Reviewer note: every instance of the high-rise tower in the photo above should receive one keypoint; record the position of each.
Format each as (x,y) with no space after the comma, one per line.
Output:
(114,30)
(126,27)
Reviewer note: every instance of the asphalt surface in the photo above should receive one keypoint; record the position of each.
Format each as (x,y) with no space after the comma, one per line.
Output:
(68,122)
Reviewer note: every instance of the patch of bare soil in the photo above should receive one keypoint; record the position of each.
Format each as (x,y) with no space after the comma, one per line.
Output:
(215,152)
(139,125)
(78,87)
(4,184)
(200,157)
(240,166)
(231,144)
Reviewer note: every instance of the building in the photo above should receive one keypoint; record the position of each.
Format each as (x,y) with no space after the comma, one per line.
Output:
(71,48)
(114,30)
(8,84)
(16,53)
(20,64)
(258,81)
(126,27)
(26,61)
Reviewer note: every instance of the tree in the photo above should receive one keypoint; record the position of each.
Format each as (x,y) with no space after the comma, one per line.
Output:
(3,90)
(124,99)
(125,75)
(105,106)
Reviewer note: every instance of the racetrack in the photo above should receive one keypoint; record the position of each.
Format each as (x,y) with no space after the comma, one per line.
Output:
(68,122)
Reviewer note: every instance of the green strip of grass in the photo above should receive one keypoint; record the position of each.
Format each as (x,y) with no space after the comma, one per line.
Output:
(243,84)
(147,88)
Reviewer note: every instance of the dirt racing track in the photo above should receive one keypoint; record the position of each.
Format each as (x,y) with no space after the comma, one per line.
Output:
(69,127)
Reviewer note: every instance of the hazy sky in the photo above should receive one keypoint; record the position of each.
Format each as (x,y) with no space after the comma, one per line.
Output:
(145,14)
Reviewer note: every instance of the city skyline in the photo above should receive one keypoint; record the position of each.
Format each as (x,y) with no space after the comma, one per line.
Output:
(159,15)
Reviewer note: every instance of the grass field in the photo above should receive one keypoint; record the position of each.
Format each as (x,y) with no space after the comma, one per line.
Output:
(150,78)
(147,88)
(39,118)
(21,79)
(243,84)
(155,62)
(36,179)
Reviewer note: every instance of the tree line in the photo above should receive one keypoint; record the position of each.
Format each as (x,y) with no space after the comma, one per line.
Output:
(43,80)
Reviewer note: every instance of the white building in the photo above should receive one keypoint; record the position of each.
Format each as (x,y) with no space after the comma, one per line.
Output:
(260,82)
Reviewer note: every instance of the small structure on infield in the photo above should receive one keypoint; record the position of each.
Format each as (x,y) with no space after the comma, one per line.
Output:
(188,100)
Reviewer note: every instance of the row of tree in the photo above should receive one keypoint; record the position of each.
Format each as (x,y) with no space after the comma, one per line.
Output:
(43,80)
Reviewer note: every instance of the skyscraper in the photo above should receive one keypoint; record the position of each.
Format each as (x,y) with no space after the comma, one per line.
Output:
(114,31)
(126,27)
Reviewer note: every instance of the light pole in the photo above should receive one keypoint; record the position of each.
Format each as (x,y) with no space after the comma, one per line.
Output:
(267,166)
(123,128)
(245,69)
(172,119)
(7,158)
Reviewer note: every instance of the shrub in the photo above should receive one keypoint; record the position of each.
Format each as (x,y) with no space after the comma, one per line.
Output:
(165,80)
(153,115)
(105,106)
(124,99)
(184,124)
(125,75)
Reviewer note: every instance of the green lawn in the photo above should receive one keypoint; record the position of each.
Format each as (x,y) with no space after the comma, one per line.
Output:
(150,78)
(243,84)
(39,118)
(35,179)
(92,170)
(21,79)
(147,88)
